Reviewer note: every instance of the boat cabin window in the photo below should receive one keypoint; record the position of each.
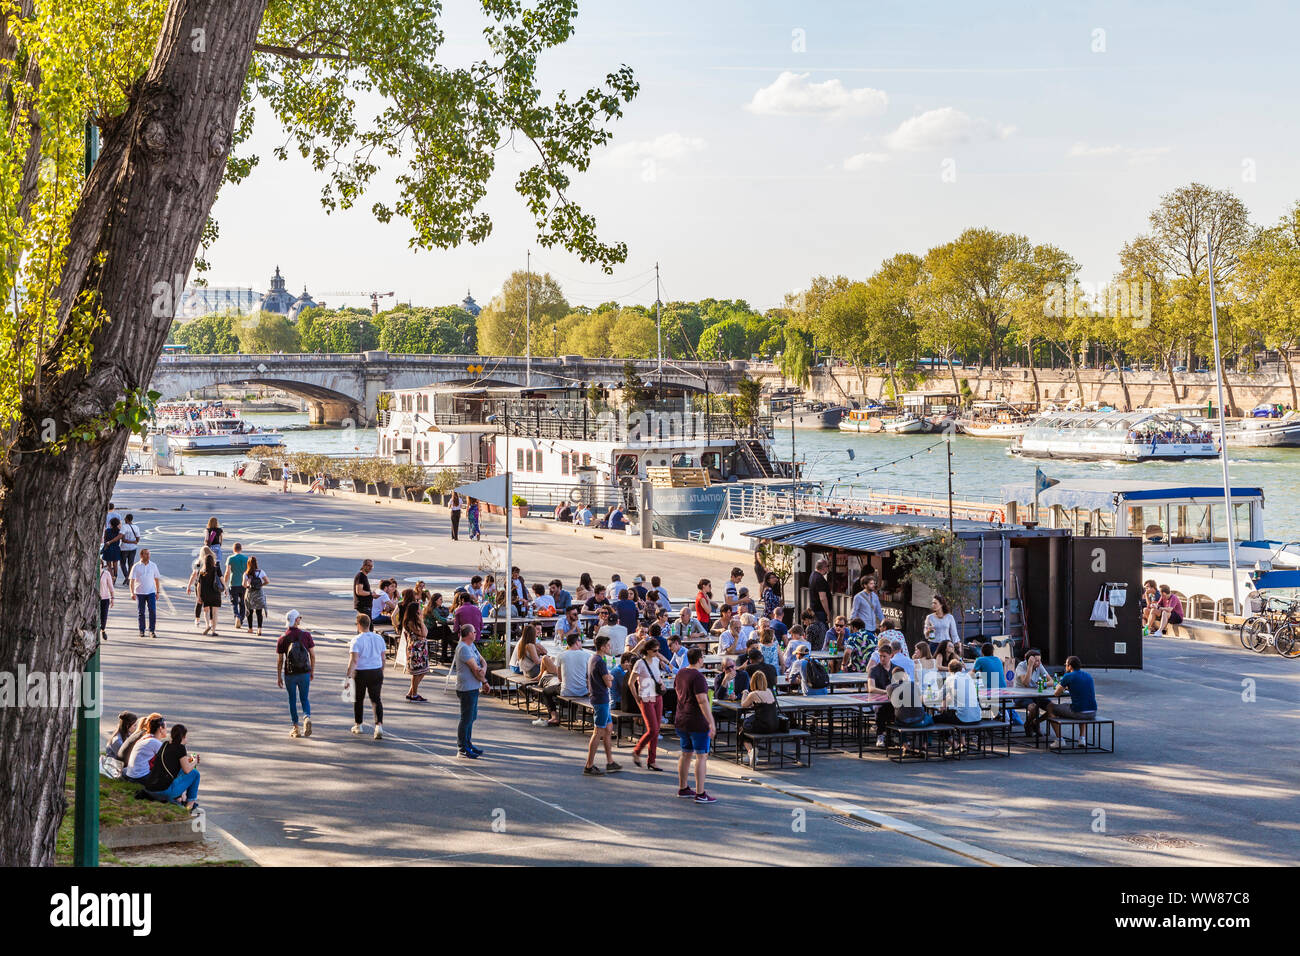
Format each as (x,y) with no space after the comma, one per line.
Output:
(1149,522)
(1219,522)
(625,465)
(1191,524)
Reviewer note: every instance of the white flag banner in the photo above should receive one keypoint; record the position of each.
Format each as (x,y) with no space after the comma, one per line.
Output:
(491,491)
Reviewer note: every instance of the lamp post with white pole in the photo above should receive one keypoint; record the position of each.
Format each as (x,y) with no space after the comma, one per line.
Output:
(1223,434)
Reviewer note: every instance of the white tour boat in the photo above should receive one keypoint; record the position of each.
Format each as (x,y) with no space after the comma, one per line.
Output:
(198,428)
(1116,436)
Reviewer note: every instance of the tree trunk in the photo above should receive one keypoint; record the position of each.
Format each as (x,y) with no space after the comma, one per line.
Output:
(1290,374)
(138,224)
(1033,371)
(953,372)
(1173,382)
(1078,378)
(893,381)
(1123,382)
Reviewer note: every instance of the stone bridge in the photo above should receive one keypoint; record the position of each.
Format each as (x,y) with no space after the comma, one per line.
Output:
(345,386)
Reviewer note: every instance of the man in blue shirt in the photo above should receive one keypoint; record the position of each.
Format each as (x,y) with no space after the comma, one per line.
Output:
(988,669)
(1083,696)
(628,613)
(562,597)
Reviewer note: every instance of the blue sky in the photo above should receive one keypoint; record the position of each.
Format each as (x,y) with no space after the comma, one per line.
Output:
(756,156)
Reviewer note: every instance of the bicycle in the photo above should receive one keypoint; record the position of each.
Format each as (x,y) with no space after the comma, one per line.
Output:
(1273,625)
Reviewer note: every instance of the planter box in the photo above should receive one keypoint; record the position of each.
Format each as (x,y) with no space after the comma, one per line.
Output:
(521,511)
(277,474)
(152,834)
(382,488)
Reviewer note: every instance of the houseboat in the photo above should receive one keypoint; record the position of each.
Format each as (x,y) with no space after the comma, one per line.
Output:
(1183,528)
(564,446)
(994,420)
(1273,429)
(1116,436)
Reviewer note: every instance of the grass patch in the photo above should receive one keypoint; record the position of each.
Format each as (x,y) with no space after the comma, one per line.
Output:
(117,807)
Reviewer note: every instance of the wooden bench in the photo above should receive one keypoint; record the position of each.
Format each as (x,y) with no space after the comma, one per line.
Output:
(578,710)
(901,743)
(764,743)
(1087,736)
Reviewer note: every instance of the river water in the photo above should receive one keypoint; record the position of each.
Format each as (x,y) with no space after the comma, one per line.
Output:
(980,465)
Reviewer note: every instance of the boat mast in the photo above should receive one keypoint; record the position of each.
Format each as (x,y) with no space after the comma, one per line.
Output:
(1223,432)
(659,335)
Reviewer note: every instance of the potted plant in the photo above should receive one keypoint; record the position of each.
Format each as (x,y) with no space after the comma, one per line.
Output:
(521,505)
(494,653)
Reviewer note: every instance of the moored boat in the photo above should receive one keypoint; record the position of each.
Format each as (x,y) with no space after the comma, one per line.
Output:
(1116,436)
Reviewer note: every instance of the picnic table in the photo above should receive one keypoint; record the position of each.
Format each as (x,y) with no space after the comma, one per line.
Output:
(838,679)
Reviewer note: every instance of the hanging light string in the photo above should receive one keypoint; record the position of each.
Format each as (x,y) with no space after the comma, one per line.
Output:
(896,461)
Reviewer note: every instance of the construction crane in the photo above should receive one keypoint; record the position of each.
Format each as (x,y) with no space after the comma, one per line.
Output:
(373,296)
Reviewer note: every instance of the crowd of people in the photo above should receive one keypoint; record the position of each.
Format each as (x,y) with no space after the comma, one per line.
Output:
(145,752)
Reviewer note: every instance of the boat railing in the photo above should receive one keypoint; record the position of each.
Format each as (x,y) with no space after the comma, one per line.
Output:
(761,504)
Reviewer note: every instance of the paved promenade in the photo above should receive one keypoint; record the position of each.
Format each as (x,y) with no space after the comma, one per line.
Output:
(1201,774)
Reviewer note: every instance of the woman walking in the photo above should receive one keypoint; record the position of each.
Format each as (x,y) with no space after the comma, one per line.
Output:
(455,515)
(106,585)
(254,597)
(209,590)
(473,520)
(647,681)
(212,537)
(112,551)
(410,625)
(196,567)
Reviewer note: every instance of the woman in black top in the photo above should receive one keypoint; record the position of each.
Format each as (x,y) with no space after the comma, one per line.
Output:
(112,551)
(174,773)
(210,592)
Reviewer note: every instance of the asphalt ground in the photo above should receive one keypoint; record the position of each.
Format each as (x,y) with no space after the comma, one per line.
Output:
(1204,773)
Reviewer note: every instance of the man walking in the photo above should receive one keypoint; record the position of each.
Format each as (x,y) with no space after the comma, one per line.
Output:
(236,565)
(129,544)
(471,673)
(366,670)
(295,665)
(695,728)
(145,581)
(599,680)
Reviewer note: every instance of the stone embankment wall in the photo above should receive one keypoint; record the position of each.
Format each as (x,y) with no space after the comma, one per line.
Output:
(1057,386)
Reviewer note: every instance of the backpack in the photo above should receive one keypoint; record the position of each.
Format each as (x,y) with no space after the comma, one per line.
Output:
(815,676)
(296,659)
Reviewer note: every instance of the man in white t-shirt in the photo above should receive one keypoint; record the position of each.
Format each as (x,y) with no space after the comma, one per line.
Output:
(615,631)
(616,587)
(145,582)
(574,661)
(585,516)
(541,600)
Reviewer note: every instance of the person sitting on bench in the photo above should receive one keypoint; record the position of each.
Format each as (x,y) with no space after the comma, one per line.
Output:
(765,719)
(1083,694)
(961,702)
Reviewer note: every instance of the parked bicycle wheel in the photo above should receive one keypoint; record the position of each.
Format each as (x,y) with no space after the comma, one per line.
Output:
(1287,640)
(1254,634)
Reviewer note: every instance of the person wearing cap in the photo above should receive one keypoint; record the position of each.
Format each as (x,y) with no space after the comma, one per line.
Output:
(293,673)
(638,585)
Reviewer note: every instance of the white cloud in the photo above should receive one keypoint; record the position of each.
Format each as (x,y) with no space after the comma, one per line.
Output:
(665,148)
(936,129)
(1136,155)
(792,94)
(860,161)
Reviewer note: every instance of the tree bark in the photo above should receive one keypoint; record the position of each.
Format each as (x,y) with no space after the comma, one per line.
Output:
(1290,374)
(1033,371)
(138,224)
(1123,382)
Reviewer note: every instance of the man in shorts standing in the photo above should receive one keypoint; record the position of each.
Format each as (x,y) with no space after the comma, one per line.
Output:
(693,719)
(599,681)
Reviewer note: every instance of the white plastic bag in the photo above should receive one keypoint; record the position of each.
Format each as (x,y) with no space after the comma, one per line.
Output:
(1118,596)
(349,690)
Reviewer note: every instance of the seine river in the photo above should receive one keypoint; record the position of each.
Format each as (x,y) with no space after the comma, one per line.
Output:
(980,465)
